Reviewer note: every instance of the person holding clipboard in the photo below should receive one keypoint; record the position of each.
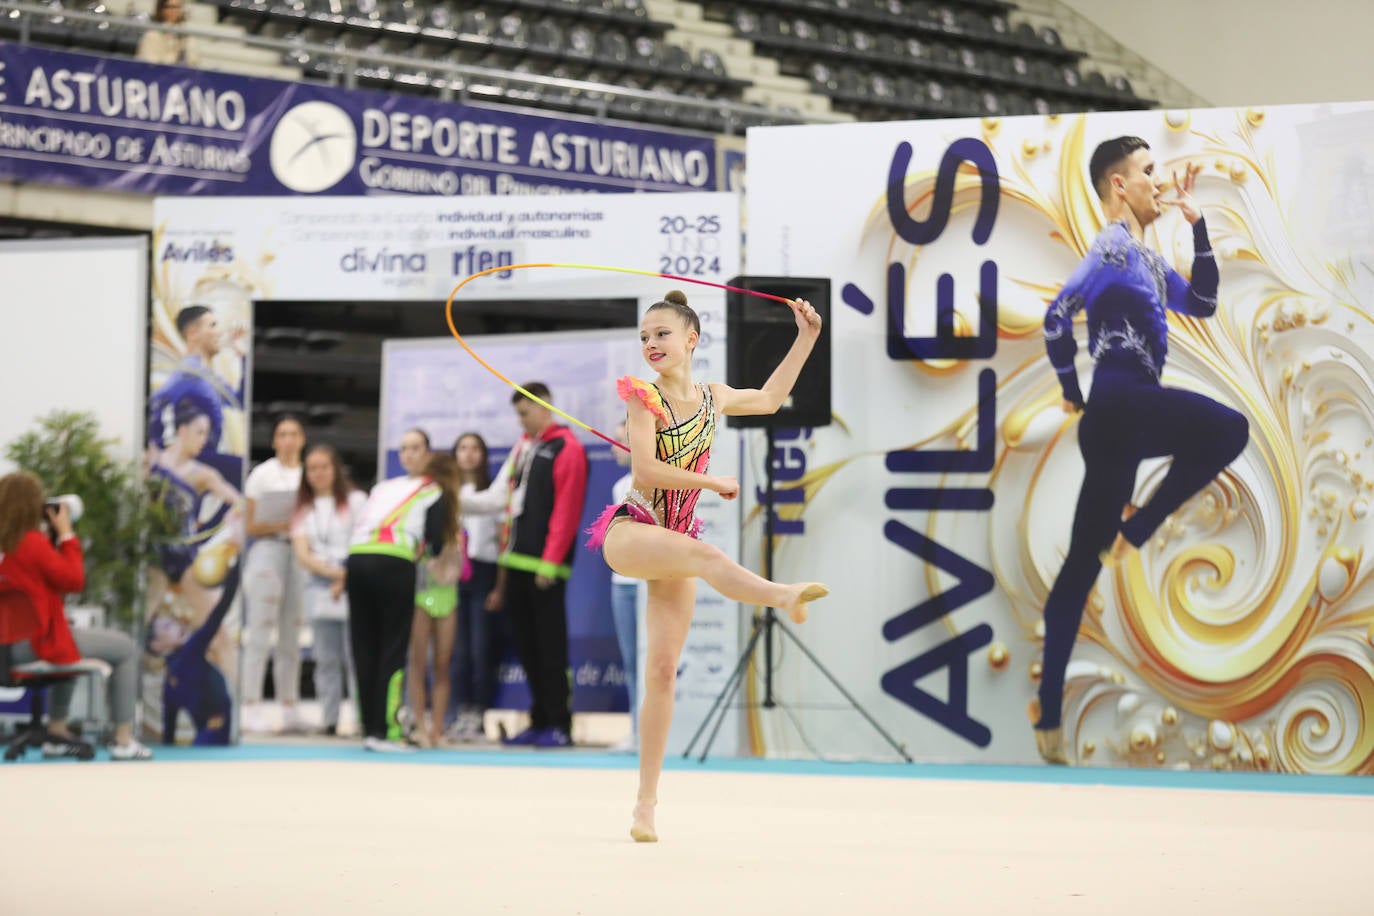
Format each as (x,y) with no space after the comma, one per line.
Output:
(272,579)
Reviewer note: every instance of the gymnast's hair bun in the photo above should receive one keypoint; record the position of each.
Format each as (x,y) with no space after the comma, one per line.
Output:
(676,297)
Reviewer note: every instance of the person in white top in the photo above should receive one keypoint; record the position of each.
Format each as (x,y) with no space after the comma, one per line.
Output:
(272,579)
(403,519)
(326,509)
(475,659)
(625,608)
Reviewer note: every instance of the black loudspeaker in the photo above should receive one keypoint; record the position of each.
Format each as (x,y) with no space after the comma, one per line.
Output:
(759,332)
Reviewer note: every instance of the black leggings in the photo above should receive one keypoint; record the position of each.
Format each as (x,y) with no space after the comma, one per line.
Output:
(381,604)
(1128,418)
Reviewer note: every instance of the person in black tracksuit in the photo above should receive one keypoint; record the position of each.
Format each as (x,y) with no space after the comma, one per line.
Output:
(540,489)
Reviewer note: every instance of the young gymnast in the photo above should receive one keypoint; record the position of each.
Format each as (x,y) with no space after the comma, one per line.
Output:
(652,535)
(1129,416)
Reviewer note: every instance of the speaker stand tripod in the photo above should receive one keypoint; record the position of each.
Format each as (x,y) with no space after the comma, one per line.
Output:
(764,624)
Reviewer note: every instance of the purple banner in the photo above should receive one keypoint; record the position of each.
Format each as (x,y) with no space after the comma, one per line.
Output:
(122,125)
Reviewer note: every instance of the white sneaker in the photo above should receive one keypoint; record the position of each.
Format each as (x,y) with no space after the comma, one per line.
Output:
(382,746)
(291,721)
(134,750)
(465,729)
(627,745)
(252,719)
(472,729)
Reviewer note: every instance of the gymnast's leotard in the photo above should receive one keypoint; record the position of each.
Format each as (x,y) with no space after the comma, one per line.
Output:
(684,443)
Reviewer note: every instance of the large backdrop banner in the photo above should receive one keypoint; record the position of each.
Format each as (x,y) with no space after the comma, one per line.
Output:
(430,384)
(213,262)
(123,125)
(938,508)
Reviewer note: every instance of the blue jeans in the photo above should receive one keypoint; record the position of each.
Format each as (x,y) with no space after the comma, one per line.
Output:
(474,665)
(624,608)
(333,666)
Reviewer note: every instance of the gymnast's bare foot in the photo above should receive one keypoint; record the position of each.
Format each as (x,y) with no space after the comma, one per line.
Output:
(642,830)
(797,597)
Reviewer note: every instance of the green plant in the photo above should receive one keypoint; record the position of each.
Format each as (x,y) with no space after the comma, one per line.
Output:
(120,523)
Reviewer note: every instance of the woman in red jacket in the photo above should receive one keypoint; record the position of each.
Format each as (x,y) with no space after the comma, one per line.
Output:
(30,563)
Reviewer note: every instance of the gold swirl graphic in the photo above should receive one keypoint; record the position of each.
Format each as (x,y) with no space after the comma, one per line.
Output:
(1079,199)
(1320,726)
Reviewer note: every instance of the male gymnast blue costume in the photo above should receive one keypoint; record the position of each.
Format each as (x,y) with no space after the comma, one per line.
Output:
(1130,416)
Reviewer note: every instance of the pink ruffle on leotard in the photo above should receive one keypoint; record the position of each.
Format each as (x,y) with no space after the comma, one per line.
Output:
(627,386)
(596,534)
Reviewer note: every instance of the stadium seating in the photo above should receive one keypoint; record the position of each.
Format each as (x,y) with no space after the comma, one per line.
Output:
(887,59)
(790,60)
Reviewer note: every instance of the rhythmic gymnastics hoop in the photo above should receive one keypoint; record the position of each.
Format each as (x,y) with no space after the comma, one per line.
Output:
(448,315)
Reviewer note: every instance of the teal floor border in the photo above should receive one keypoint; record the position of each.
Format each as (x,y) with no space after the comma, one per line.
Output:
(595,760)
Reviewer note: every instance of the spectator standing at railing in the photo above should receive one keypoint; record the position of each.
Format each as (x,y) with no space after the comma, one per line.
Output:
(164,47)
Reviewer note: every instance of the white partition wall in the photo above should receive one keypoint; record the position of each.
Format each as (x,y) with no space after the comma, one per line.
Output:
(72,333)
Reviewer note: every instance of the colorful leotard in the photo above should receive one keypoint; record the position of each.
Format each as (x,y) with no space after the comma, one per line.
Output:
(682,443)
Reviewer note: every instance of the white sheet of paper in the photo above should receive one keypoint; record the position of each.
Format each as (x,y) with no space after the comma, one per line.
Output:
(274,507)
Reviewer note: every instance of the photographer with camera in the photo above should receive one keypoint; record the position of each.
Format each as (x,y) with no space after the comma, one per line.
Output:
(40,555)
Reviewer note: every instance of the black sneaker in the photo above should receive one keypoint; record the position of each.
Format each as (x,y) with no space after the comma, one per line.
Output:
(56,746)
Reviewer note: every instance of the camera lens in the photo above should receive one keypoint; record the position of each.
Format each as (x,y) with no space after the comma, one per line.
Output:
(74,504)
